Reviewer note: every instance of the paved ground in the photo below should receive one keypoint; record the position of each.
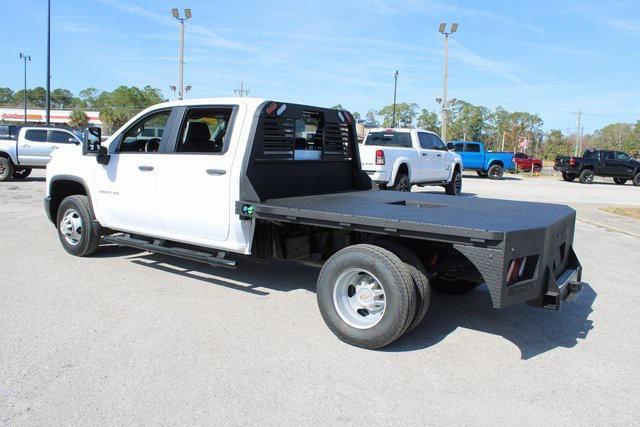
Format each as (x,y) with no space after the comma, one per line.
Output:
(128,337)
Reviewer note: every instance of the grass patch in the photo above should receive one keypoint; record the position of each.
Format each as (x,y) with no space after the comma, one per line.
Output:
(628,212)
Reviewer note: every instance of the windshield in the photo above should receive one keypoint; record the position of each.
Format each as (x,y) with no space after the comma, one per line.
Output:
(389,139)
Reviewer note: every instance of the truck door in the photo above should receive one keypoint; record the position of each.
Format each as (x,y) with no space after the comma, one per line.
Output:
(126,187)
(473,157)
(607,165)
(59,138)
(194,178)
(443,158)
(427,162)
(33,148)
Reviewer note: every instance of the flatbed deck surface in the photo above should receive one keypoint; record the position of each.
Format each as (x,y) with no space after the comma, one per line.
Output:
(465,216)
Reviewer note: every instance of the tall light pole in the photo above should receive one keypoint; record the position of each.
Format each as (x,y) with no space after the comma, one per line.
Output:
(445,106)
(48,62)
(187,15)
(395,90)
(25,58)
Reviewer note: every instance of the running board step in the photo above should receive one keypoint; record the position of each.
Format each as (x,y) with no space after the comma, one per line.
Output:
(157,247)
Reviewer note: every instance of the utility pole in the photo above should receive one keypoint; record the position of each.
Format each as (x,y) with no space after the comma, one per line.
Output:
(25,58)
(48,62)
(241,91)
(395,90)
(445,72)
(578,136)
(504,132)
(187,15)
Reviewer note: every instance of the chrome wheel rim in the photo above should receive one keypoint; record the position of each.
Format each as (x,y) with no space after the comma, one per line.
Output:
(359,298)
(496,173)
(71,227)
(3,169)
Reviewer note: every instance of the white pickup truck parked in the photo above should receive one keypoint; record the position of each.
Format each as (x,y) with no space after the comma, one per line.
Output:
(396,159)
(30,148)
(237,178)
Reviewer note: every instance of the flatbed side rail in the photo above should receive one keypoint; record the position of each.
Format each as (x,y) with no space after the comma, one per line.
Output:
(250,210)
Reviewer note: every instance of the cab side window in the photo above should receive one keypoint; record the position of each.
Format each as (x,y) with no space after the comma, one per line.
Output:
(425,141)
(437,142)
(58,137)
(204,130)
(145,135)
(36,135)
(472,148)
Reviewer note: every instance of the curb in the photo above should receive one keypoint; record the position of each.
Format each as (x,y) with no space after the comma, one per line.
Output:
(610,228)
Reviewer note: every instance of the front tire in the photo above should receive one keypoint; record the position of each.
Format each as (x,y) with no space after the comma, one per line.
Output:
(6,169)
(620,181)
(76,229)
(366,296)
(569,177)
(21,173)
(402,183)
(454,187)
(495,172)
(586,176)
(636,180)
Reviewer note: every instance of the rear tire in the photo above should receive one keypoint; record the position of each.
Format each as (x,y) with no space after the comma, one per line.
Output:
(481,174)
(76,229)
(636,180)
(6,169)
(454,187)
(349,296)
(495,172)
(537,169)
(620,181)
(569,177)
(452,286)
(21,173)
(586,176)
(418,273)
(402,183)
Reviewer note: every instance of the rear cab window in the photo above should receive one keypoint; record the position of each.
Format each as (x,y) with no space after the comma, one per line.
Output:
(472,148)
(389,139)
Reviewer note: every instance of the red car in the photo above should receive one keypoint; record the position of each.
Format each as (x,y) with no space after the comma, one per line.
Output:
(523,162)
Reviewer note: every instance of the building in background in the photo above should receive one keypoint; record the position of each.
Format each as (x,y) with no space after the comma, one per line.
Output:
(38,117)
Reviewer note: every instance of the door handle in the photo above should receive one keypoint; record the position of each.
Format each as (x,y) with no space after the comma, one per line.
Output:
(145,168)
(26,146)
(424,154)
(439,155)
(216,172)
(55,147)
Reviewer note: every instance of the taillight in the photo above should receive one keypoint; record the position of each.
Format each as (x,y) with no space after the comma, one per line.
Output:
(572,161)
(379,157)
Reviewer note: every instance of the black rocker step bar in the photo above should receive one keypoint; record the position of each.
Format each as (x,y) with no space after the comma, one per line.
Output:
(159,246)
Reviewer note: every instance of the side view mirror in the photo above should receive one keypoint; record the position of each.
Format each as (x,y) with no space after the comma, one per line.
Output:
(451,146)
(92,140)
(103,156)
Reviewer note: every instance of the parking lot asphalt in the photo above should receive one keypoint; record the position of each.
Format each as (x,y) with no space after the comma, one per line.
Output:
(128,337)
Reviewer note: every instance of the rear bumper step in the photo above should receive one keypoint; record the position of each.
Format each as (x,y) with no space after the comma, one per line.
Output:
(567,287)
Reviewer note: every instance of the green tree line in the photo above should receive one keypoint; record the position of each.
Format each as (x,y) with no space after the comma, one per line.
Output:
(116,107)
(478,123)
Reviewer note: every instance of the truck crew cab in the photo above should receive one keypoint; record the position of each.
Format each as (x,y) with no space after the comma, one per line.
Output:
(27,148)
(396,159)
(607,163)
(233,178)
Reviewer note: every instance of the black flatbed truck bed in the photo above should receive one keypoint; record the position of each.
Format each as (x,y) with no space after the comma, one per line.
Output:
(490,233)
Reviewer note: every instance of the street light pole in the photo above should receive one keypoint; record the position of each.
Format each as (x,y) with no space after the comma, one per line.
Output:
(395,90)
(176,14)
(445,72)
(25,58)
(48,62)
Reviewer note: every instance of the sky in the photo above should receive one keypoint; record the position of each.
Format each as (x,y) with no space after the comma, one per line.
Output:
(551,58)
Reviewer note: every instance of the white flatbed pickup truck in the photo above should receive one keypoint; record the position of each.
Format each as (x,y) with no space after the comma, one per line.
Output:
(237,178)
(396,159)
(27,148)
